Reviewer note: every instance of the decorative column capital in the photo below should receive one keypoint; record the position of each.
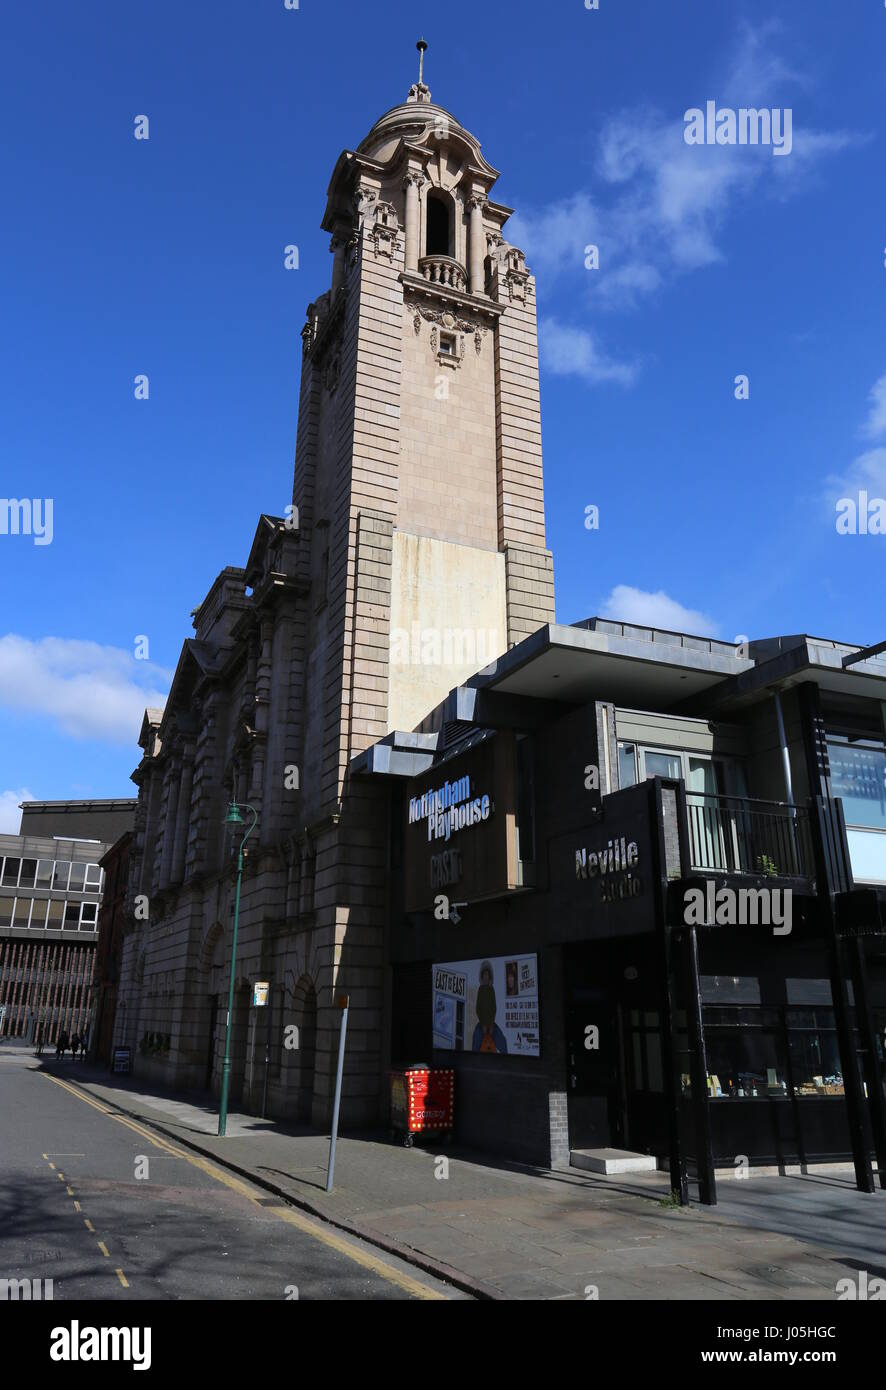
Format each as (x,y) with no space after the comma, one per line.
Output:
(415,178)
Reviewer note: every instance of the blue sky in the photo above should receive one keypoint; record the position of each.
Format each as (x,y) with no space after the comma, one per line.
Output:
(165,257)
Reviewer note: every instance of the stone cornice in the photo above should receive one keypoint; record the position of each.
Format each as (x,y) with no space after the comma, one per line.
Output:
(414,284)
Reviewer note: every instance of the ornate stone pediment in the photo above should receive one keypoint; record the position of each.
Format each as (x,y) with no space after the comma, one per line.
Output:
(451,323)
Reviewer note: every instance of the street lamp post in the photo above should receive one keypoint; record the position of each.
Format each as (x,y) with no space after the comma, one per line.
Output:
(233,818)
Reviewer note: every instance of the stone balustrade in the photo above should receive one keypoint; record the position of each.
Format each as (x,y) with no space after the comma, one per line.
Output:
(443,270)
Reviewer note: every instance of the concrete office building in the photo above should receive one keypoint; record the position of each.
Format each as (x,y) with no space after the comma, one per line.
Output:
(50,891)
(414,554)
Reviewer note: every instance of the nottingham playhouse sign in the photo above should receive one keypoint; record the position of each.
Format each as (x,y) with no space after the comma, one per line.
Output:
(449,808)
(460,827)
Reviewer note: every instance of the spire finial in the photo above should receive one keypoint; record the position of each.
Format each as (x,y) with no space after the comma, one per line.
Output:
(418,91)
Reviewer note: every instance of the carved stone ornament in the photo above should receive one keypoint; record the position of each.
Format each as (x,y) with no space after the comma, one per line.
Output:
(450,322)
(446,319)
(362,200)
(384,231)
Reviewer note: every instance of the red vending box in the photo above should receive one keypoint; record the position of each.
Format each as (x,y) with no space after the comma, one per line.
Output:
(422,1101)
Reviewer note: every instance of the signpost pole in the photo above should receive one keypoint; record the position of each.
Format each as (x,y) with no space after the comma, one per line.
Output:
(264,1094)
(341,1003)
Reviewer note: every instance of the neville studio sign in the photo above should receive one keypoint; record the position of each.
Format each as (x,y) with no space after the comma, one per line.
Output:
(460,827)
(612,867)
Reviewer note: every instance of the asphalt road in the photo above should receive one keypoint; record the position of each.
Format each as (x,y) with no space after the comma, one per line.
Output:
(108,1209)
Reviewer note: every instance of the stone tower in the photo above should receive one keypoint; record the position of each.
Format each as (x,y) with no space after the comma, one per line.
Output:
(418,474)
(418,556)
(419,422)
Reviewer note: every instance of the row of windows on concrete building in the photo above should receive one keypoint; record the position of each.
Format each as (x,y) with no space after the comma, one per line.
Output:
(56,875)
(53,914)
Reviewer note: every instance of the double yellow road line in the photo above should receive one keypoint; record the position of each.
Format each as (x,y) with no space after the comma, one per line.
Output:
(315,1229)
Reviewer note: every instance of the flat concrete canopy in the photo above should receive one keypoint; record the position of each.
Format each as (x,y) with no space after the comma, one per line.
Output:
(574,664)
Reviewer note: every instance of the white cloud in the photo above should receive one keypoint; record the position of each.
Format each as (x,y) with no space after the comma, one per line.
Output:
(875,424)
(628,605)
(756,74)
(867,471)
(663,203)
(10,813)
(569,351)
(89,690)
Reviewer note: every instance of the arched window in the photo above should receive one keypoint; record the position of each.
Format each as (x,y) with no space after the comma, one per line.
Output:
(438,241)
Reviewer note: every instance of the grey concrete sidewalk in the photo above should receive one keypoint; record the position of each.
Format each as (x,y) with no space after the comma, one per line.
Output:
(505,1231)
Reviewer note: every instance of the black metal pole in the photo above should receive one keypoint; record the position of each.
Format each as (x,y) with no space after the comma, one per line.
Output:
(865,1019)
(834,875)
(679,1179)
(264,1096)
(855,1104)
(677,1158)
(698,1064)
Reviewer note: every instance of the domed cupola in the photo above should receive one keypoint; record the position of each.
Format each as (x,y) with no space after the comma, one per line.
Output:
(419,169)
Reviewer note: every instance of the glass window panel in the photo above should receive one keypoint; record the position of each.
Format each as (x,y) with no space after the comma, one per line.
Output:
(815,1061)
(89,914)
(6,906)
(730,989)
(662,764)
(38,912)
(78,876)
(93,876)
(44,873)
(858,775)
(28,873)
(703,776)
(655,1071)
(745,1063)
(731,1017)
(627,764)
(72,916)
(60,877)
(10,872)
(22,912)
(56,914)
(808,991)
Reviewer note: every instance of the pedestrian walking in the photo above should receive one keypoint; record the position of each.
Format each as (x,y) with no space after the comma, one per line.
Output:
(61,1043)
(39,1040)
(75,1046)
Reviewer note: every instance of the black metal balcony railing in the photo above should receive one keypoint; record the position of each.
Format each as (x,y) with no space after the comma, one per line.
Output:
(735,835)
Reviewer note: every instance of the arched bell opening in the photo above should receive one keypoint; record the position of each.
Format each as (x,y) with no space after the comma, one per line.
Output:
(439,238)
